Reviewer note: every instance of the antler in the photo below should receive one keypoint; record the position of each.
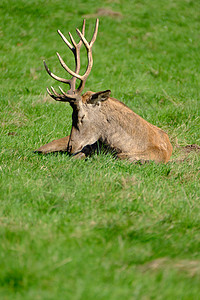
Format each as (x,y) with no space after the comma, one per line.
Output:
(73,93)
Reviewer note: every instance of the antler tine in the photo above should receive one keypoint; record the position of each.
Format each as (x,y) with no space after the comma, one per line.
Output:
(65,94)
(64,97)
(54,91)
(55,76)
(83,33)
(83,39)
(65,40)
(53,96)
(72,39)
(95,33)
(63,64)
(90,44)
(48,91)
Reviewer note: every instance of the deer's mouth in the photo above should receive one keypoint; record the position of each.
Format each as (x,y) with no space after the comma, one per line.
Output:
(72,152)
(88,149)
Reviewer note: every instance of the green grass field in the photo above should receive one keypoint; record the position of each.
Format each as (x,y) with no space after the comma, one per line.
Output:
(100,228)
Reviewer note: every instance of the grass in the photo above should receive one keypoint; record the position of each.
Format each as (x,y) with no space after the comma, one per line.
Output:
(100,228)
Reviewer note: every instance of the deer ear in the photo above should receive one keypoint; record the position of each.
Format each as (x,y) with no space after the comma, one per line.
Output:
(100,96)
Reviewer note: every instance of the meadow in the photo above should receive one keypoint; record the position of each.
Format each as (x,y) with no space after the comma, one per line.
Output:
(99,228)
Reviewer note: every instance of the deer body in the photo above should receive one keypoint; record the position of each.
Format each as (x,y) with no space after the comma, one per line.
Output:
(99,117)
(116,125)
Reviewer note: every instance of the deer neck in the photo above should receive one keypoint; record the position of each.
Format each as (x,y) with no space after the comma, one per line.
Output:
(119,125)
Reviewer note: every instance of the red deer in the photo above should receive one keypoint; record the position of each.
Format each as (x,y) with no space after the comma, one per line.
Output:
(97,117)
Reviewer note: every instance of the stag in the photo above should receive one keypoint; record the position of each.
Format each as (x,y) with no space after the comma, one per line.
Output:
(100,118)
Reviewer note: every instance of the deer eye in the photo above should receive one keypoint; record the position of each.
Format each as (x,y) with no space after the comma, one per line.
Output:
(81,118)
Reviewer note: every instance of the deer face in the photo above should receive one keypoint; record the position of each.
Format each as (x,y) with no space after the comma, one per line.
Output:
(87,120)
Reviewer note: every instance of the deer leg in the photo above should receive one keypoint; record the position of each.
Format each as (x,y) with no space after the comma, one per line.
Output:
(59,145)
(134,158)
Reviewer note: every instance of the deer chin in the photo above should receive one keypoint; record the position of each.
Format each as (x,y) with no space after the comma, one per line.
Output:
(78,150)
